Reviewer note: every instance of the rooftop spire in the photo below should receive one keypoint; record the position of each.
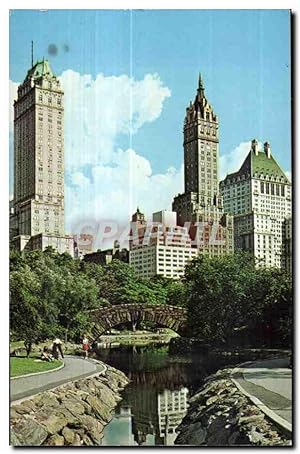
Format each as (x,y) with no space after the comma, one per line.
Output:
(200,85)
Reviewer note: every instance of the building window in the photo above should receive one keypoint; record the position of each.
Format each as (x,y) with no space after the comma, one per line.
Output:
(262,187)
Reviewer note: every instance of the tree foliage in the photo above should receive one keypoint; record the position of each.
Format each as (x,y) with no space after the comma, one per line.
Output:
(232,300)
(229,300)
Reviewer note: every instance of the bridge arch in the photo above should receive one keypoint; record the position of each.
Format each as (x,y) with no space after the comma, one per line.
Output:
(103,319)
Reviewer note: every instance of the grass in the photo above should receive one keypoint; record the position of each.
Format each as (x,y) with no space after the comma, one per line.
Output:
(23,366)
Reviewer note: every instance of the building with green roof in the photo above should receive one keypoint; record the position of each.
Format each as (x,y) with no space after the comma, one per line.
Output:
(259,196)
(37,210)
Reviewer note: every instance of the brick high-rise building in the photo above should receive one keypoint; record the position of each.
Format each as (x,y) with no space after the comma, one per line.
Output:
(201,202)
(37,213)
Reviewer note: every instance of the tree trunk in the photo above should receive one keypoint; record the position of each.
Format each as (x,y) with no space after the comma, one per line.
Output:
(134,323)
(28,346)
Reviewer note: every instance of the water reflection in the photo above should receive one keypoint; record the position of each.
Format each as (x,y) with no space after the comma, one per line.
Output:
(156,400)
(147,417)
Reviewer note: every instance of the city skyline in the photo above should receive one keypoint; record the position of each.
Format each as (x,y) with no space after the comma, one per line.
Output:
(110,151)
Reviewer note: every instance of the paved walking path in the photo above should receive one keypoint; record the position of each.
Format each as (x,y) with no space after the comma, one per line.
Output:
(75,368)
(270,383)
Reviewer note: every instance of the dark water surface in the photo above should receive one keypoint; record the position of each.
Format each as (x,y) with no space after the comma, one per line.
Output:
(156,400)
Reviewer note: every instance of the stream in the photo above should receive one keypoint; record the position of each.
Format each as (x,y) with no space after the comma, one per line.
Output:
(156,400)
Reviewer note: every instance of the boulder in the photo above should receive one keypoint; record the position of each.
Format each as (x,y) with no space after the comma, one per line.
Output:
(77,440)
(55,440)
(211,400)
(253,419)
(47,399)
(74,405)
(53,423)
(69,435)
(14,414)
(21,409)
(193,435)
(87,441)
(99,409)
(29,404)
(13,439)
(29,432)
(106,395)
(92,427)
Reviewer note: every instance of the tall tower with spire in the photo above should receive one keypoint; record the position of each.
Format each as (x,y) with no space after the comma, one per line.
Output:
(37,220)
(201,201)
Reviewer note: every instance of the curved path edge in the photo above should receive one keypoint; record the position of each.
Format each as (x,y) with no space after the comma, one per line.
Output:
(278,420)
(25,388)
(39,373)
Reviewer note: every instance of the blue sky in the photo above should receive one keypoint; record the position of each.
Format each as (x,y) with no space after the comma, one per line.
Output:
(244,57)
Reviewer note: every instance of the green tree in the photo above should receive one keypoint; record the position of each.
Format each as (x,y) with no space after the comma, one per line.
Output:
(25,306)
(229,295)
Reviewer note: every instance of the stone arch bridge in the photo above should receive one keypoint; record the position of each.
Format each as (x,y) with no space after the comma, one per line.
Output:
(103,319)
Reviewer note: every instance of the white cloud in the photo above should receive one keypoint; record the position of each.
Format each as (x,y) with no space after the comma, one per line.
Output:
(232,161)
(114,192)
(98,111)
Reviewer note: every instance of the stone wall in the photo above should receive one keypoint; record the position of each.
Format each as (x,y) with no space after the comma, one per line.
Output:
(220,415)
(73,414)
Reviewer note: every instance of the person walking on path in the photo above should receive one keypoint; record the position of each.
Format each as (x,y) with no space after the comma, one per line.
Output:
(85,346)
(57,347)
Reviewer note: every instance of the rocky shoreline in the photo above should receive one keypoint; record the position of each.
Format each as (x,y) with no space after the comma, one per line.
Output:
(73,414)
(220,415)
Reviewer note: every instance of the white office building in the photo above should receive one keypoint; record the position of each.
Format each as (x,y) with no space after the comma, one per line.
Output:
(159,247)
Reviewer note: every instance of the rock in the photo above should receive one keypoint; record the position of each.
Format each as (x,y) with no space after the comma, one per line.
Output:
(106,395)
(194,435)
(77,440)
(92,427)
(87,441)
(68,435)
(251,419)
(13,414)
(72,419)
(21,409)
(73,414)
(99,409)
(13,439)
(255,437)
(55,440)
(29,432)
(73,405)
(212,400)
(53,423)
(233,437)
(29,404)
(47,399)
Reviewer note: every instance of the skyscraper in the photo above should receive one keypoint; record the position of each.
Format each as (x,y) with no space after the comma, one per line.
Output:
(201,203)
(37,215)
(259,195)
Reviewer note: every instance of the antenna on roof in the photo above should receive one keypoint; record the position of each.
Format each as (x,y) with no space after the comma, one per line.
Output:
(31,54)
